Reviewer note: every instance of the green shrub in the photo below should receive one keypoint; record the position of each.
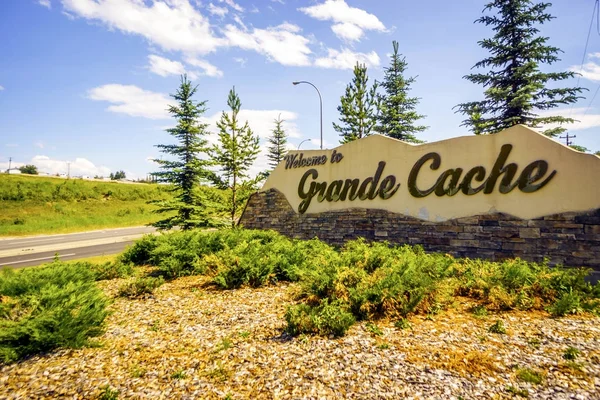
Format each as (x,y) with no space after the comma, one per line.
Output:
(364,280)
(568,303)
(479,311)
(43,308)
(497,327)
(326,319)
(111,270)
(140,286)
(108,393)
(140,253)
(403,323)
(530,375)
(571,353)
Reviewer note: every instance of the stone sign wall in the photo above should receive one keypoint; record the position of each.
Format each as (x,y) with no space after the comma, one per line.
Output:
(513,194)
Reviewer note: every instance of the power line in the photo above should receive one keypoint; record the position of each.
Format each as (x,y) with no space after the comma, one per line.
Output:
(592,101)
(595,13)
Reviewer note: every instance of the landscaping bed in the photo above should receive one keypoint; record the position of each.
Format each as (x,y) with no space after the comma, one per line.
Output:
(252,314)
(191,340)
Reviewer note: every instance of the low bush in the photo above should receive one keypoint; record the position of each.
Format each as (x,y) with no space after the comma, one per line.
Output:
(363,280)
(140,286)
(325,319)
(530,375)
(111,270)
(43,308)
(567,303)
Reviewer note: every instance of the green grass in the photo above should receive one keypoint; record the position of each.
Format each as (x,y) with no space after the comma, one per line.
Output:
(37,205)
(530,375)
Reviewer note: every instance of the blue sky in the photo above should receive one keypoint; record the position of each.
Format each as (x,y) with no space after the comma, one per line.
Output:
(87,81)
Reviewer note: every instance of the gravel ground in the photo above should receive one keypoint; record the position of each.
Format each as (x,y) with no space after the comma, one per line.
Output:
(191,341)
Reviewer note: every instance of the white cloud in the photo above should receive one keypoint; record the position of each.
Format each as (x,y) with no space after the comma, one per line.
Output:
(39,144)
(165,67)
(239,21)
(45,3)
(131,100)
(175,25)
(589,70)
(347,31)
(349,21)
(208,68)
(1,87)
(240,60)
(216,10)
(79,167)
(583,120)
(172,24)
(347,59)
(281,43)
(261,121)
(233,5)
(137,102)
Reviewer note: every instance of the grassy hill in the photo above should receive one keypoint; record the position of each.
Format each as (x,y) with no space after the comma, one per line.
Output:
(32,205)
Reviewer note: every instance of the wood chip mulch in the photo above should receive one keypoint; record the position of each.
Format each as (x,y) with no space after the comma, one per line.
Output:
(192,341)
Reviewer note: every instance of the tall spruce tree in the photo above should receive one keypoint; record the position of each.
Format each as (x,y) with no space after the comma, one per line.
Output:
(515,86)
(185,169)
(235,153)
(397,115)
(358,107)
(277,141)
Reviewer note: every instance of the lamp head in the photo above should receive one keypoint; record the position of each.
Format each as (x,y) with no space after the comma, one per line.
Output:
(295,83)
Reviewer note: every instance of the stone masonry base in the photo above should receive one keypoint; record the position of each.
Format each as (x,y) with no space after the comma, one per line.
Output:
(570,239)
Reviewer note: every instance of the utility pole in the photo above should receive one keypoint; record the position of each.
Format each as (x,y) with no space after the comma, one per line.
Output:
(68,169)
(9,163)
(568,137)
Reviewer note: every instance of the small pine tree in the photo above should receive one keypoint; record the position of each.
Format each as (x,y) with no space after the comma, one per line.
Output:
(397,117)
(235,153)
(186,170)
(358,107)
(277,141)
(516,88)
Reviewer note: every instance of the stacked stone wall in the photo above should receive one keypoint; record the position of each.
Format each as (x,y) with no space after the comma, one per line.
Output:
(570,239)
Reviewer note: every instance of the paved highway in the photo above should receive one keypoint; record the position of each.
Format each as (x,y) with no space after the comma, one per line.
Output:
(29,251)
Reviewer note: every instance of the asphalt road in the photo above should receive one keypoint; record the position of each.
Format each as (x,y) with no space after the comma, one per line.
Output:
(29,251)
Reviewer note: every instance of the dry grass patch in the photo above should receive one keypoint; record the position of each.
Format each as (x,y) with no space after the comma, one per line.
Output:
(464,362)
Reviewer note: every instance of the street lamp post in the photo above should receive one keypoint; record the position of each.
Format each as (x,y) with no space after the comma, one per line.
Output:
(305,140)
(320,106)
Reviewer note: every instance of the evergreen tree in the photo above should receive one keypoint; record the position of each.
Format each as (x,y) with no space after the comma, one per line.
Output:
(277,141)
(117,175)
(186,169)
(358,107)
(237,150)
(397,115)
(515,86)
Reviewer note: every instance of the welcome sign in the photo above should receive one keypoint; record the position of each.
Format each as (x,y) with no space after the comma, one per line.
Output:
(518,172)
